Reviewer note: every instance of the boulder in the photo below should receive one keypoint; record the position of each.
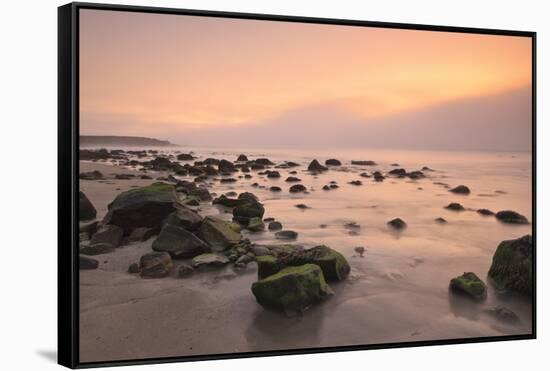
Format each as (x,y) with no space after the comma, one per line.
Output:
(485,212)
(133,268)
(333,162)
(378,177)
(440,220)
(398,172)
(333,264)
(88,228)
(248,196)
(205,261)
(286,235)
(455,206)
(461,189)
(315,166)
(416,174)
(185,218)
(86,210)
(248,210)
(87,263)
(503,314)
(356,182)
(226,201)
(512,266)
(155,265)
(511,217)
(397,223)
(273,174)
(108,234)
(470,285)
(97,249)
(275,226)
(292,289)
(263,161)
(219,234)
(297,188)
(179,242)
(185,270)
(185,157)
(201,193)
(142,207)
(260,250)
(242,158)
(255,225)
(142,234)
(225,166)
(275,189)
(363,162)
(91,175)
(293,179)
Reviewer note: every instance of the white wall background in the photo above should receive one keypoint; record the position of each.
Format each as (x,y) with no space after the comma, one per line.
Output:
(28,155)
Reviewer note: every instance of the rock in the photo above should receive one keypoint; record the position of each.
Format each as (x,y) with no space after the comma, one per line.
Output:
(91,175)
(185,157)
(142,207)
(249,210)
(124,176)
(211,161)
(270,219)
(275,226)
(219,234)
(185,186)
(185,270)
(191,201)
(297,188)
(86,210)
(255,224)
(378,177)
(302,206)
(316,166)
(133,268)
(512,266)
(334,186)
(201,193)
(208,260)
(160,163)
(440,220)
(228,180)
(248,196)
(225,166)
(333,162)
(286,235)
(352,225)
(356,182)
(461,189)
(184,218)
(485,212)
(109,234)
(97,249)
(397,223)
(179,242)
(326,188)
(263,161)
(275,189)
(360,250)
(398,172)
(273,174)
(470,285)
(227,202)
(503,314)
(293,179)
(260,250)
(333,264)
(242,158)
(243,261)
(363,163)
(455,206)
(87,263)
(511,217)
(155,265)
(292,289)
(416,175)
(365,175)
(88,228)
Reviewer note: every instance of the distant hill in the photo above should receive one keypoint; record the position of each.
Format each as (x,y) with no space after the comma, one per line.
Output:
(112,140)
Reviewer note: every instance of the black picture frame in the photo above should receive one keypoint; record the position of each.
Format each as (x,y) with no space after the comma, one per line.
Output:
(68,170)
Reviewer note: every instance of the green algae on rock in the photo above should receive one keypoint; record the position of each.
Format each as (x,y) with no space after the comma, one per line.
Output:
(470,285)
(512,266)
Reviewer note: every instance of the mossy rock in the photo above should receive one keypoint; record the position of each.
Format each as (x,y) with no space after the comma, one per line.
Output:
(249,210)
(470,285)
(293,289)
(142,207)
(512,266)
(219,234)
(511,217)
(255,225)
(179,243)
(227,202)
(97,249)
(185,218)
(335,267)
(267,265)
(205,261)
(155,265)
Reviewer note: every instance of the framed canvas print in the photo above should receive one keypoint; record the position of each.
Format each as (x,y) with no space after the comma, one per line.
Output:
(237,185)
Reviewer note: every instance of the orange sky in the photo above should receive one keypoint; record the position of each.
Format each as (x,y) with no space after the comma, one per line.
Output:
(179,72)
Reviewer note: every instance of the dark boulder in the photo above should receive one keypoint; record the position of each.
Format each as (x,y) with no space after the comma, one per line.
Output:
(142,207)
(297,188)
(142,234)
(455,206)
(86,210)
(286,235)
(461,189)
(512,266)
(179,242)
(208,261)
(397,223)
(273,174)
(485,212)
(219,234)
(248,210)
(91,175)
(363,163)
(226,166)
(315,166)
(470,285)
(511,217)
(275,226)
(398,172)
(333,162)
(242,158)
(97,249)
(293,179)
(185,218)
(108,234)
(87,263)
(155,265)
(185,157)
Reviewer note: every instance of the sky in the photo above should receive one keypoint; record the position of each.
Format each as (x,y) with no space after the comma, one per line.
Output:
(213,81)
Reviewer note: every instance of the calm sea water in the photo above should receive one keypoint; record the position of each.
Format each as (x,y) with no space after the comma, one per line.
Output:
(399,290)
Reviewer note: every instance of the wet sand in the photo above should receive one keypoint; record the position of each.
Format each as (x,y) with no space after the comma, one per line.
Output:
(398,292)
